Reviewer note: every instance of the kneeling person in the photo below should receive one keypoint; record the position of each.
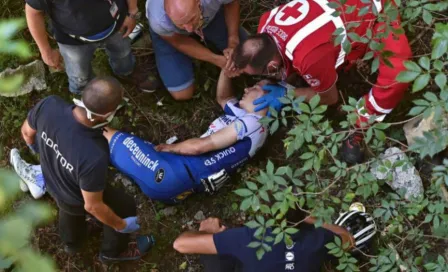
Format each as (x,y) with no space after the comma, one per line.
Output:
(170,173)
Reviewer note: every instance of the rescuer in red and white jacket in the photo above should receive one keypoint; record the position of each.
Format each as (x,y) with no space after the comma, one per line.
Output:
(298,38)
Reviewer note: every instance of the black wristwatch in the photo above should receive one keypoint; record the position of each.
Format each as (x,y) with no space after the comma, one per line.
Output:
(136,15)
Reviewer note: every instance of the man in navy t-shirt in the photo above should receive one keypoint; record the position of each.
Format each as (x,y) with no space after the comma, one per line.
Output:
(232,253)
(74,157)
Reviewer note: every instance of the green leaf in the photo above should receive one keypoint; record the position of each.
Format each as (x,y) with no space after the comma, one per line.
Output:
(350,9)
(274,127)
(375,65)
(270,168)
(421,82)
(439,49)
(252,224)
(252,185)
(347,46)
(260,252)
(425,63)
(428,218)
(368,56)
(245,204)
(243,192)
(427,17)
(431,97)
(412,66)
(380,135)
(291,230)
(314,101)
(407,76)
(440,80)
(279,238)
(306,156)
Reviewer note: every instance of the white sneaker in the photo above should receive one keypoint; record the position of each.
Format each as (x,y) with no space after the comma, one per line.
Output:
(31,175)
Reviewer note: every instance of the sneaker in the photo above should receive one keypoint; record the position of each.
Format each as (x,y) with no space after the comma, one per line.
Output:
(352,150)
(142,80)
(31,175)
(136,250)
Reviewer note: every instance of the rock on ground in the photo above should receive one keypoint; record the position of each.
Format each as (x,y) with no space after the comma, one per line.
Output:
(128,184)
(404,177)
(199,216)
(416,127)
(168,211)
(33,78)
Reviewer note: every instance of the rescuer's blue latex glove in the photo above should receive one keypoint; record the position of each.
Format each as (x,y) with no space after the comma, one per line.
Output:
(131,225)
(271,98)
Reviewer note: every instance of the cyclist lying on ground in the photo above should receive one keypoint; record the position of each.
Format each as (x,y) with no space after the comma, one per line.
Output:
(169,173)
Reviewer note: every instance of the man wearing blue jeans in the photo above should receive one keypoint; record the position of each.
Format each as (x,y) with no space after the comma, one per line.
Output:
(82,26)
(172,23)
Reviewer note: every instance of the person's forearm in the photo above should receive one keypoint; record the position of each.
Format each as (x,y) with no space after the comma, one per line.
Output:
(36,24)
(28,134)
(232,17)
(224,88)
(132,6)
(192,48)
(195,242)
(29,139)
(194,146)
(105,214)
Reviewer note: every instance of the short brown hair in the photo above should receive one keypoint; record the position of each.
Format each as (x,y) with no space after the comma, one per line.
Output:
(256,51)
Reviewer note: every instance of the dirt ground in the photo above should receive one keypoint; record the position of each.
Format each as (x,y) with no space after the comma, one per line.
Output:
(155,123)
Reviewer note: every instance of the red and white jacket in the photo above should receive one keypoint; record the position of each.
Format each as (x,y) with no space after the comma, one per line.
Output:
(303,31)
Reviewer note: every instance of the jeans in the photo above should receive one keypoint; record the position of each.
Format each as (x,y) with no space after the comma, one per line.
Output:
(73,229)
(221,263)
(78,59)
(176,68)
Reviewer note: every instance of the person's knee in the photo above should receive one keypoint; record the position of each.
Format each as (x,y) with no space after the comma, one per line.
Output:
(185,94)
(77,83)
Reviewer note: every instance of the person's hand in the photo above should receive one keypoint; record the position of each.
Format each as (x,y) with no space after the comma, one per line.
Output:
(271,98)
(128,26)
(211,225)
(53,58)
(220,61)
(131,225)
(230,69)
(163,147)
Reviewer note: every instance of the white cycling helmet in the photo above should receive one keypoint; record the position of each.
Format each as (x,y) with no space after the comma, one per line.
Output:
(359,224)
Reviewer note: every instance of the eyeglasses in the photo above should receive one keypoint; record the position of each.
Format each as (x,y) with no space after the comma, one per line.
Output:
(267,71)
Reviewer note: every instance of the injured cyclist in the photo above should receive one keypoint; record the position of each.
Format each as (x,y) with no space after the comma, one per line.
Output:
(171,172)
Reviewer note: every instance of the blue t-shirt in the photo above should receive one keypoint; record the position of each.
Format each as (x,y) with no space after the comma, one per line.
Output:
(161,24)
(307,254)
(73,157)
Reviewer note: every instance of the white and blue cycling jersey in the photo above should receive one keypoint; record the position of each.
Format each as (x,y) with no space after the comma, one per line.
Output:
(171,177)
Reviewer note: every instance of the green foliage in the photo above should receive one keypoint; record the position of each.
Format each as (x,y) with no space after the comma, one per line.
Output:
(16,226)
(316,181)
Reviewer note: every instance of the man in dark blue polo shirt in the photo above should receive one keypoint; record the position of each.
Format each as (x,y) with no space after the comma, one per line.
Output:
(74,157)
(228,250)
